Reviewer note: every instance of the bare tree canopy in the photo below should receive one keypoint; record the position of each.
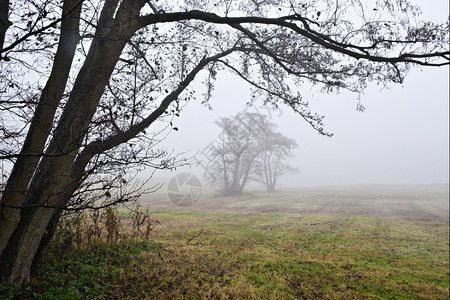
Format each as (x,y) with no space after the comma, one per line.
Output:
(272,162)
(83,83)
(249,148)
(235,152)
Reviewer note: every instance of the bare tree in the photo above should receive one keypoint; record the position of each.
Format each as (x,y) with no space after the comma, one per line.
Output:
(81,79)
(273,162)
(235,152)
(249,149)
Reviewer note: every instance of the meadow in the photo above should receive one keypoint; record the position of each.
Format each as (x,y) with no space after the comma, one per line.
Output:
(357,242)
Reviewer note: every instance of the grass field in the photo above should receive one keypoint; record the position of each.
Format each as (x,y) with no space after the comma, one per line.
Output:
(371,242)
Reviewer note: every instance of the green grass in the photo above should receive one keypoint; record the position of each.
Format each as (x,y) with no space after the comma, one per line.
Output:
(204,254)
(321,256)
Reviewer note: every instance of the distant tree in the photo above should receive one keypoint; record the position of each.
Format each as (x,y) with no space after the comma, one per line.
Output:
(272,162)
(249,148)
(235,151)
(81,82)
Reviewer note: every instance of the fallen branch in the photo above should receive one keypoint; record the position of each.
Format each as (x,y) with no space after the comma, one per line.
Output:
(195,236)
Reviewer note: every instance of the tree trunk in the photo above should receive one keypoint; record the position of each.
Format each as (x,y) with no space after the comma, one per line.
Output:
(4,22)
(41,125)
(46,194)
(48,234)
(18,256)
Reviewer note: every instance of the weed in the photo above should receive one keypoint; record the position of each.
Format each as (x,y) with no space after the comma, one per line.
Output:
(112,224)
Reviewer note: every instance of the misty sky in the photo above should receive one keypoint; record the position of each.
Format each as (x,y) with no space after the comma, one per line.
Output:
(401,138)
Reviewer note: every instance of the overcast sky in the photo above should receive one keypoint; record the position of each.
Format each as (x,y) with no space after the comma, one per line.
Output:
(401,138)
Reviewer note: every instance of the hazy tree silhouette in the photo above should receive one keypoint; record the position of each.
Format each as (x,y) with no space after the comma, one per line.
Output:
(249,148)
(235,152)
(273,161)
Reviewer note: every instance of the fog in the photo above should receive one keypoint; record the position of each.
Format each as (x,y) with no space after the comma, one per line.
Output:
(401,138)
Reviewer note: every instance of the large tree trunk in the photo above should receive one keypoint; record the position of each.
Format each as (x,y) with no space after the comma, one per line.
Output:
(51,180)
(46,193)
(4,22)
(41,125)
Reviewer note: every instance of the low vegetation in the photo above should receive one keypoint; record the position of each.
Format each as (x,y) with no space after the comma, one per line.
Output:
(204,254)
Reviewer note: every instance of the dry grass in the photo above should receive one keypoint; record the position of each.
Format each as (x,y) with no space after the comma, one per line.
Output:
(225,254)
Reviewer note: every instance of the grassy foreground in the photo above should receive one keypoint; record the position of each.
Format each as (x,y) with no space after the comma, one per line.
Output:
(198,254)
